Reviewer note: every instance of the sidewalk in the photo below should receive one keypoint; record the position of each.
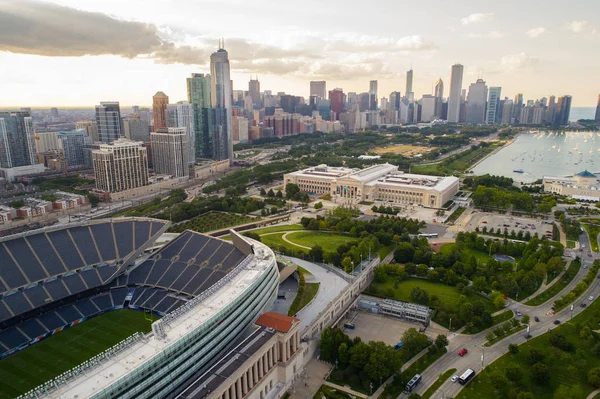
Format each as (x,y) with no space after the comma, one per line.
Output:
(406,365)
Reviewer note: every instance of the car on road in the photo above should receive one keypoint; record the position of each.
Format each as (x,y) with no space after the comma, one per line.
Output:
(557,322)
(462,352)
(518,313)
(591,298)
(584,266)
(527,336)
(454,378)
(583,304)
(536,319)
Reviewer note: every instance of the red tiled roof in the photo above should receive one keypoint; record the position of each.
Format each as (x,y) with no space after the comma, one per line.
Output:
(276,321)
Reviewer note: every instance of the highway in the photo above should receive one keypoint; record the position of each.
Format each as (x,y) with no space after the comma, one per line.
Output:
(480,356)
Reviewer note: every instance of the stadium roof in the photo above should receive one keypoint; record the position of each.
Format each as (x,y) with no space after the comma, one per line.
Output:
(277,321)
(585,173)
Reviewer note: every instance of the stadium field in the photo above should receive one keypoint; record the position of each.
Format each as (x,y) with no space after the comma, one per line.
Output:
(47,359)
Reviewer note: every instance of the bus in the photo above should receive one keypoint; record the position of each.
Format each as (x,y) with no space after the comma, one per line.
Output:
(466,376)
(427,235)
(413,383)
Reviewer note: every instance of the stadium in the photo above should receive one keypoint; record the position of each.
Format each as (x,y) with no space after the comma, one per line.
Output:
(206,291)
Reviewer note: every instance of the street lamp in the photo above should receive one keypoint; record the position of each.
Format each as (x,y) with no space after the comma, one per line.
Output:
(450,326)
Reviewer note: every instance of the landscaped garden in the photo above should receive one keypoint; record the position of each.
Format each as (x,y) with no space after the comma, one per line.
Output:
(557,287)
(592,226)
(211,221)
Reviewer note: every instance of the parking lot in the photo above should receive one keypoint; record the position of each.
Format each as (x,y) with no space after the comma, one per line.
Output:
(516,223)
(374,327)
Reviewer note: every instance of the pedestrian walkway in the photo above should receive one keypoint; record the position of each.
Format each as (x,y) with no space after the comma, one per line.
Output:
(406,365)
(345,389)
(593,394)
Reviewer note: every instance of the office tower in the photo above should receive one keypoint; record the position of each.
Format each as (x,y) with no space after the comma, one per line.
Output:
(159,110)
(17,140)
(563,110)
(384,103)
(46,141)
(409,85)
(324,108)
(336,96)
(170,151)
(72,144)
(254,91)
(455,93)
(517,106)
(182,115)
(352,98)
(137,130)
(395,98)
(108,119)
(198,92)
(373,95)
(27,109)
(319,89)
(439,96)
(120,165)
(135,109)
(507,112)
(363,102)
(550,113)
(428,108)
(145,114)
(220,89)
(90,128)
(239,129)
(54,112)
(493,106)
(597,116)
(476,101)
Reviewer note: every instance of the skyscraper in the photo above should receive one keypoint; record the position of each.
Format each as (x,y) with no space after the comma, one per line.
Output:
(120,165)
(318,88)
(198,91)
(72,143)
(137,130)
(439,98)
(455,91)
(90,128)
(220,89)
(517,105)
(182,115)
(254,91)
(563,110)
(428,108)
(507,112)
(373,95)
(476,100)
(395,100)
(493,106)
(159,110)
(409,85)
(108,119)
(550,111)
(336,96)
(170,151)
(17,140)
(597,117)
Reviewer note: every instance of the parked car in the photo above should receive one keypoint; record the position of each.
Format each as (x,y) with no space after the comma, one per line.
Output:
(536,319)
(557,322)
(462,352)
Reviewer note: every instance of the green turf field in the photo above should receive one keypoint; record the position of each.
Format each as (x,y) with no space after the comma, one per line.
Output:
(45,360)
(329,241)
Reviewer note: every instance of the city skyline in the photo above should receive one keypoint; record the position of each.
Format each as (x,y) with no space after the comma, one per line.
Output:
(154,51)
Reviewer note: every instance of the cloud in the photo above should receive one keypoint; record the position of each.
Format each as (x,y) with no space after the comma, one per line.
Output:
(536,32)
(477,17)
(490,35)
(581,27)
(514,62)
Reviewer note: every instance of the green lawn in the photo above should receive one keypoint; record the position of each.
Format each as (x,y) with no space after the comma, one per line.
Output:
(570,244)
(511,332)
(457,163)
(499,318)
(47,359)
(556,287)
(566,368)
(592,228)
(212,221)
(443,377)
(481,257)
(272,229)
(306,292)
(328,241)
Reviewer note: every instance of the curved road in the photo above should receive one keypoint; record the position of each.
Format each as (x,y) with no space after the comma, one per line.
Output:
(474,343)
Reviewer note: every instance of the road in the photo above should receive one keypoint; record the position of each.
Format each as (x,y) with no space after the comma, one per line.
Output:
(474,343)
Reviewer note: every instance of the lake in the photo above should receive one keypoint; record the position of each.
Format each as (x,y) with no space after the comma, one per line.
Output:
(545,154)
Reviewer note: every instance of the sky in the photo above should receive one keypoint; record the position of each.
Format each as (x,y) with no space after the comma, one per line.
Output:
(81,52)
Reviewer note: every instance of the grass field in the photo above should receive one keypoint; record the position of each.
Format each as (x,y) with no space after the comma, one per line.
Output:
(442,378)
(481,257)
(556,287)
(306,292)
(566,368)
(403,149)
(212,221)
(456,163)
(47,359)
(592,226)
(328,241)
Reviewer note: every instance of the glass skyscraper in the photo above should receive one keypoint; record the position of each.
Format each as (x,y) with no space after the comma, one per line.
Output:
(198,91)
(221,97)
(108,118)
(72,143)
(17,140)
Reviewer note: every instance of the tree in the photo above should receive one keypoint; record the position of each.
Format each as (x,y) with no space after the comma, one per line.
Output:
(291,190)
(535,356)
(318,205)
(414,341)
(279,194)
(490,336)
(441,341)
(404,253)
(271,193)
(497,379)
(594,377)
(316,253)
(347,264)
(359,355)
(263,192)
(274,210)
(513,372)
(513,348)
(525,319)
(568,392)
(559,341)
(343,354)
(419,295)
(540,373)
(525,395)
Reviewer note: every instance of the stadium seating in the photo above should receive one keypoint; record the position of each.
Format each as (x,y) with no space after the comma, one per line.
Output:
(118,296)
(86,307)
(61,240)
(56,289)
(37,295)
(32,328)
(26,259)
(69,313)
(12,338)
(91,278)
(51,321)
(103,302)
(17,303)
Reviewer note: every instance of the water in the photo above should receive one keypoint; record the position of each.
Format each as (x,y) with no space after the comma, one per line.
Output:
(545,154)
(578,113)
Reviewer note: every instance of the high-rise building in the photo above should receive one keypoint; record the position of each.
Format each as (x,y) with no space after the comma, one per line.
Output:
(54,112)
(597,117)
(220,89)
(563,110)
(336,96)
(17,140)
(170,151)
(493,106)
(428,108)
(476,101)
(182,115)
(409,85)
(517,105)
(159,110)
(120,165)
(198,91)
(137,130)
(72,144)
(108,119)
(373,95)
(318,88)
(324,109)
(363,101)
(135,109)
(90,128)
(46,141)
(550,111)
(439,98)
(254,91)
(455,93)
(395,98)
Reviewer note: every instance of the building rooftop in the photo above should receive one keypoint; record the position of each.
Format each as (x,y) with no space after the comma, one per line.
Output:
(277,321)
(325,171)
(585,173)
(426,182)
(372,172)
